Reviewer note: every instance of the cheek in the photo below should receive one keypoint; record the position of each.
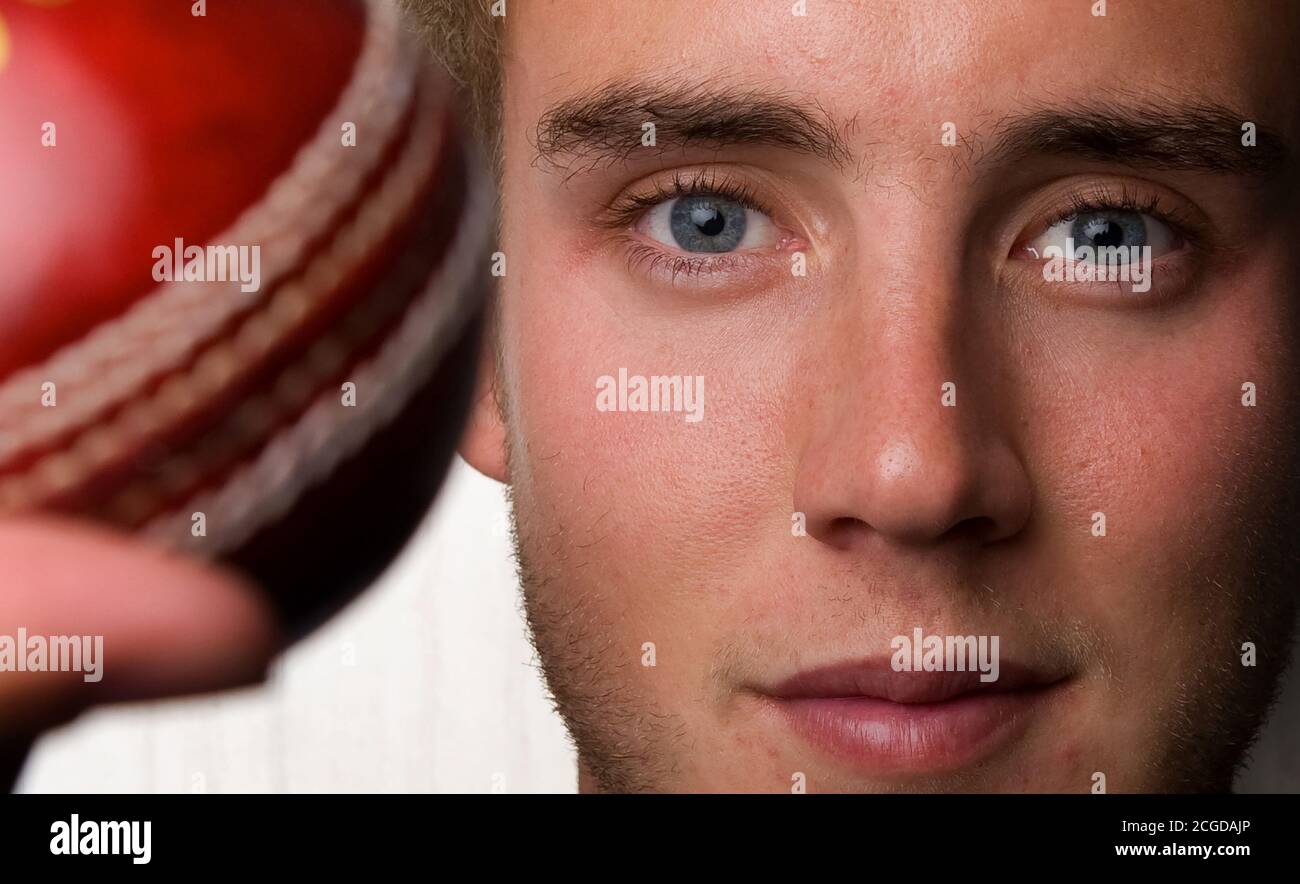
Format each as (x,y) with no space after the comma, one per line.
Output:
(660,504)
(1146,423)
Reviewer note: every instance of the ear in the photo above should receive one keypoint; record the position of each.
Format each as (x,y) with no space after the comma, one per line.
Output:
(483,444)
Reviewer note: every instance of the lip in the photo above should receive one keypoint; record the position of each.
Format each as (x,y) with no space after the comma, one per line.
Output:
(886,722)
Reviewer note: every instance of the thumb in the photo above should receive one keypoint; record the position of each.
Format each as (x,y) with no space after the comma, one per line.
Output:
(160,624)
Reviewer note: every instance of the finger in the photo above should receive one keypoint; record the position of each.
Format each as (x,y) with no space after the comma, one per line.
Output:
(168,624)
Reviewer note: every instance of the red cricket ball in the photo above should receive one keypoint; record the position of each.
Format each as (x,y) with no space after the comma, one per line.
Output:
(244,260)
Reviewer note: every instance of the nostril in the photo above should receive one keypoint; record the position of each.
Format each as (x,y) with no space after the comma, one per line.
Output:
(844,532)
(979,529)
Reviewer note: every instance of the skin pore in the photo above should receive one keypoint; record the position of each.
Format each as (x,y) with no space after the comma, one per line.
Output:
(824,391)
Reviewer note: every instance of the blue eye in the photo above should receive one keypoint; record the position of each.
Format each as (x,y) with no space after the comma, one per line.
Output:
(1118,229)
(708,223)
(1100,229)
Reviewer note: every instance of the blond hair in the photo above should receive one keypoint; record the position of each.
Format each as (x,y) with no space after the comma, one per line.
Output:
(465,39)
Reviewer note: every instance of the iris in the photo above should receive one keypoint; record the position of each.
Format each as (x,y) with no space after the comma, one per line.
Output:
(707,223)
(1102,229)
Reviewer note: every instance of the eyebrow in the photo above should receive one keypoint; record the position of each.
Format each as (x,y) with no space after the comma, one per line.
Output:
(1191,138)
(607,124)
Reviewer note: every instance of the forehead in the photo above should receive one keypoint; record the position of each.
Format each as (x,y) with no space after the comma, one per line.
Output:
(901,64)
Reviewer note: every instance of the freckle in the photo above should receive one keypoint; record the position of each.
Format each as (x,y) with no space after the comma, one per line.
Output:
(897,461)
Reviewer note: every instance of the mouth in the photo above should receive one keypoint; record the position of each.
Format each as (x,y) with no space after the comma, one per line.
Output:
(884,722)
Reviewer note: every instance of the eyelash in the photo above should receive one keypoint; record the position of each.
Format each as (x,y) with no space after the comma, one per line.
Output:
(650,259)
(1104,198)
(626,210)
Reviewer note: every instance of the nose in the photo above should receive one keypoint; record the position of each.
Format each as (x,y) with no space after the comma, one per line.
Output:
(906,438)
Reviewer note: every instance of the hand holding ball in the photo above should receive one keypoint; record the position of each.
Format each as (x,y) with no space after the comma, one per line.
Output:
(245,275)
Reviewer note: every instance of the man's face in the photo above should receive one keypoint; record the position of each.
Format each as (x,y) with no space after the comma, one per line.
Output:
(839,222)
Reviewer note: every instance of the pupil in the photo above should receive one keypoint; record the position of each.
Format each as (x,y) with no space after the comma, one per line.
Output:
(707,224)
(1110,235)
(708,219)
